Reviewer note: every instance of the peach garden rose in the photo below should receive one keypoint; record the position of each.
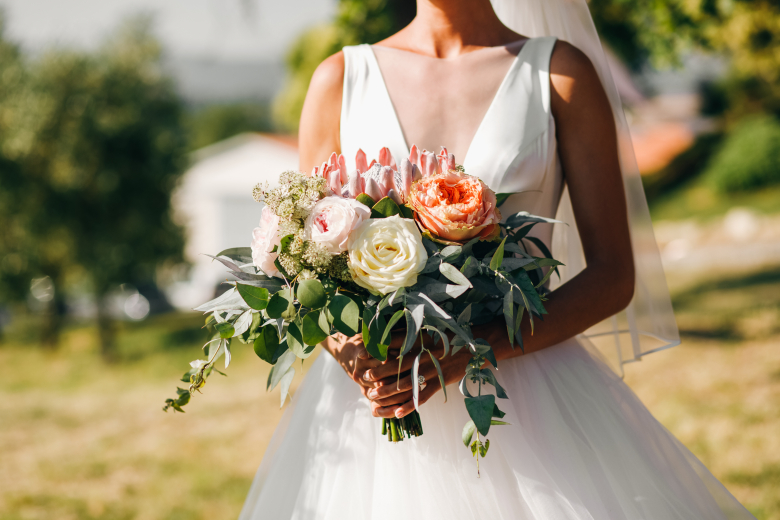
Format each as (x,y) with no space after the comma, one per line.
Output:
(455,207)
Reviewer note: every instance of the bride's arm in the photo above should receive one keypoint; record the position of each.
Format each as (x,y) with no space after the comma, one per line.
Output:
(587,145)
(318,137)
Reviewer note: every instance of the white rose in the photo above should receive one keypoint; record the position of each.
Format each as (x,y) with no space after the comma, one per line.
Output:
(386,254)
(264,239)
(332,220)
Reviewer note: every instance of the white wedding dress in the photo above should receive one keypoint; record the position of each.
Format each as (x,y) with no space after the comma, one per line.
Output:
(580,445)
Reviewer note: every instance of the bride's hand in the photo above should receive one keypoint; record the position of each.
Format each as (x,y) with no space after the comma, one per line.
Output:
(351,354)
(391,397)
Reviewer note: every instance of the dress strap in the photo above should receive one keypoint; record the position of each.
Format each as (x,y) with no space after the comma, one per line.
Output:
(368,118)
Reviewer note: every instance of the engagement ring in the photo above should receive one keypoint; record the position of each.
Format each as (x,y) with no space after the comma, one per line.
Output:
(421,380)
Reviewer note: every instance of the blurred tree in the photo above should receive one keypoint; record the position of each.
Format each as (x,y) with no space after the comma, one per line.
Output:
(213,123)
(97,145)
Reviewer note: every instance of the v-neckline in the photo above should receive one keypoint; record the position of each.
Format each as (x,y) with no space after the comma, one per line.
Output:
(501,87)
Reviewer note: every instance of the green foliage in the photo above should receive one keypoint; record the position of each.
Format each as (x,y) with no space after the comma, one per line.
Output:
(749,158)
(93,146)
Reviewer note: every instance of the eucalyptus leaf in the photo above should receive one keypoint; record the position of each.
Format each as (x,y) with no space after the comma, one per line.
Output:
(509,317)
(480,410)
(524,217)
(365,200)
(416,381)
(389,327)
(463,387)
(243,323)
(285,361)
(451,253)
(311,294)
(255,297)
(230,300)
(345,313)
(455,276)
(266,344)
(431,265)
(226,330)
(286,381)
(439,372)
(295,341)
(227,263)
(470,267)
(411,332)
(280,305)
(311,331)
(490,378)
(242,255)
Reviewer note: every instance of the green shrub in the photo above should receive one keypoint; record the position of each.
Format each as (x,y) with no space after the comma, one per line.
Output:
(749,158)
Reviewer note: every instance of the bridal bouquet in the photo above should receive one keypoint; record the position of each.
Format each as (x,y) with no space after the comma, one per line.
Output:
(419,247)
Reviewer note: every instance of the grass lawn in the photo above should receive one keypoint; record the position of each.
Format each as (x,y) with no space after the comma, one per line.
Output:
(82,440)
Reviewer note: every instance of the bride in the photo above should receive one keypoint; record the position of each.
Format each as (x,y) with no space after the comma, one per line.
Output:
(535,117)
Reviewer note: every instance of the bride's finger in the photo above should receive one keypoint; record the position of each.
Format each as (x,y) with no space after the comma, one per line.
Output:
(395,399)
(389,369)
(408,407)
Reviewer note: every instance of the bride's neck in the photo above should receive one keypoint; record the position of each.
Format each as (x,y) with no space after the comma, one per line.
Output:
(448,28)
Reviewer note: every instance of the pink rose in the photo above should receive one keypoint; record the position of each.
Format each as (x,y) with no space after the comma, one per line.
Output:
(332,220)
(264,239)
(455,207)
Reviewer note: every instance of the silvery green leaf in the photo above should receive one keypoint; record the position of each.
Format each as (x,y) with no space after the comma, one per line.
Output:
(450,253)
(457,344)
(400,293)
(445,340)
(509,318)
(272,284)
(411,328)
(465,316)
(280,326)
(516,249)
(490,378)
(524,217)
(286,382)
(510,264)
(441,376)
(284,362)
(229,300)
(416,381)
(430,306)
(469,246)
(470,267)
(227,354)
(227,263)
(249,277)
(463,387)
(439,292)
(432,265)
(431,247)
(242,323)
(454,275)
(241,255)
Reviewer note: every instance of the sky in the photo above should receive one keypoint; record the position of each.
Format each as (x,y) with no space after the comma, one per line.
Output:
(211,29)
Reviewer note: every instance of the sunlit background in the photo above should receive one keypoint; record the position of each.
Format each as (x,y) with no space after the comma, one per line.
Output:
(131,133)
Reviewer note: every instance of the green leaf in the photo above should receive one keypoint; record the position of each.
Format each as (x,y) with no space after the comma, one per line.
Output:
(255,297)
(524,217)
(441,376)
(509,318)
(498,413)
(498,256)
(242,255)
(323,322)
(295,341)
(365,200)
(499,423)
(480,410)
(501,198)
(346,314)
(407,212)
(390,324)
(372,332)
(468,433)
(385,208)
(455,276)
(266,344)
(483,448)
(311,294)
(311,330)
(281,306)
(225,330)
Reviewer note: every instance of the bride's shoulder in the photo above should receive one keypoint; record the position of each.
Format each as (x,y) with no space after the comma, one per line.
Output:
(571,70)
(328,77)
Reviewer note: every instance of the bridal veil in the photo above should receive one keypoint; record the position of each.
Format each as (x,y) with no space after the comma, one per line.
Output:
(648,324)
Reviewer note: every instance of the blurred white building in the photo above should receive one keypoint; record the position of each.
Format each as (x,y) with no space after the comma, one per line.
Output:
(214,203)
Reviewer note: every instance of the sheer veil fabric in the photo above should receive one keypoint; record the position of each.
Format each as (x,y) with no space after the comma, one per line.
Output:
(648,324)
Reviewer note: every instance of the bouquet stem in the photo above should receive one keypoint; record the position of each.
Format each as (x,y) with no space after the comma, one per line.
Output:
(406,427)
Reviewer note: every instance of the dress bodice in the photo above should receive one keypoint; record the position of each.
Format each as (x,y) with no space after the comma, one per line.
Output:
(514,149)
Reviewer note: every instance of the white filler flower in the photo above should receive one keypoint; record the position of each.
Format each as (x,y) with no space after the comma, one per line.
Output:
(386,254)
(332,220)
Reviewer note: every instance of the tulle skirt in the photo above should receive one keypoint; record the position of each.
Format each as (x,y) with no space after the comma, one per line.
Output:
(580,446)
